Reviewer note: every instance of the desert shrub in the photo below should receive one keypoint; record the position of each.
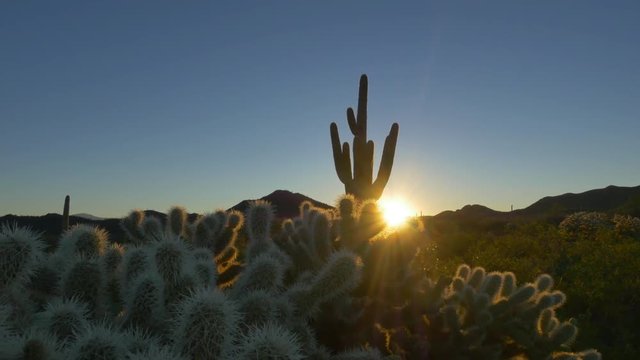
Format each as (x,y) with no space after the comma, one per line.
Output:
(584,223)
(326,285)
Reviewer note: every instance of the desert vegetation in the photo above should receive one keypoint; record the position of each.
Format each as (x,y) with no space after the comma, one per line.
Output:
(327,284)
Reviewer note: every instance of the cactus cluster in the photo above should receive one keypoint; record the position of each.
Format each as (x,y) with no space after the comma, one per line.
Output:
(331,285)
(162,291)
(326,285)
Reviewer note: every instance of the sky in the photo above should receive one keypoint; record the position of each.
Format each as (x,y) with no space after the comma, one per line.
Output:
(152,103)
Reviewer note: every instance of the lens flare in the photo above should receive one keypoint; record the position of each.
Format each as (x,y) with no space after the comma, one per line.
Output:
(395,211)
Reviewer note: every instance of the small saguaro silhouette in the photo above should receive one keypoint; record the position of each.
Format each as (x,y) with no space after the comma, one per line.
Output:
(65,214)
(361,183)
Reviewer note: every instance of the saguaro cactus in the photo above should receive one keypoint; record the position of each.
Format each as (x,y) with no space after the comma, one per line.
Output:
(65,214)
(361,183)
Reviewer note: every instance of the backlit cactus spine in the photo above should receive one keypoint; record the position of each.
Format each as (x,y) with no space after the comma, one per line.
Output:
(20,251)
(63,318)
(361,183)
(473,315)
(206,324)
(82,240)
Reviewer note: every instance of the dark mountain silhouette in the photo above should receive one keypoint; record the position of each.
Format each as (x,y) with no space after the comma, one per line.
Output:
(88,216)
(612,199)
(285,203)
(472,212)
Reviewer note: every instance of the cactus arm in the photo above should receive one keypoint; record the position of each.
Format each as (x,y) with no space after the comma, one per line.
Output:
(362,106)
(351,120)
(388,153)
(358,123)
(341,156)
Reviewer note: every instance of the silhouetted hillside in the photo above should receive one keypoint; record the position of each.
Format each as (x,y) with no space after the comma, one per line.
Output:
(612,199)
(285,203)
(615,199)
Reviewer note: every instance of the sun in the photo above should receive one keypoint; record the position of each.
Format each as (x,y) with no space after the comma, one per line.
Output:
(395,211)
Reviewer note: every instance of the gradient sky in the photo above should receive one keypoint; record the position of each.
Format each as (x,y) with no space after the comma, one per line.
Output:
(147,104)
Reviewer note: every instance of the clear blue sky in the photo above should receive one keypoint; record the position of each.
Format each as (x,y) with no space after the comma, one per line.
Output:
(147,104)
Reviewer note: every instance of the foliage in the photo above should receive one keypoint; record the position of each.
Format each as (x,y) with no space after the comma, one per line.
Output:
(326,285)
(593,260)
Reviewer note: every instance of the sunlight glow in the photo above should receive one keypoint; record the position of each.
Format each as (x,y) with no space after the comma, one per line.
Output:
(395,211)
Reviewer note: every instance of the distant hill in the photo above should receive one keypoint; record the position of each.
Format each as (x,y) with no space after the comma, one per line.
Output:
(612,199)
(285,203)
(88,216)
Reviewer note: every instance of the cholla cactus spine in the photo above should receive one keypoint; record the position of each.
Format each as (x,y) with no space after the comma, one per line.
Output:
(259,217)
(98,341)
(269,341)
(206,323)
(83,240)
(144,301)
(176,221)
(85,279)
(63,318)
(20,252)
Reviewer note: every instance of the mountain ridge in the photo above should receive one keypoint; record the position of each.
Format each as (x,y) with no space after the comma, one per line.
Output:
(611,199)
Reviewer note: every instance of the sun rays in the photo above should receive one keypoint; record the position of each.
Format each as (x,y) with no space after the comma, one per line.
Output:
(395,211)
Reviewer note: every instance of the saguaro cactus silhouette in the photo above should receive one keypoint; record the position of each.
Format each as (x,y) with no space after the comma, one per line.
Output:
(361,183)
(65,214)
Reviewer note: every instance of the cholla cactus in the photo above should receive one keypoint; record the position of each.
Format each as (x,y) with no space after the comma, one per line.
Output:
(85,279)
(337,277)
(262,273)
(176,221)
(157,353)
(358,222)
(134,262)
(218,232)
(63,318)
(33,344)
(98,341)
(20,252)
(259,217)
(204,266)
(169,255)
(472,317)
(584,223)
(145,302)
(258,307)
(132,226)
(626,225)
(269,341)
(111,258)
(83,240)
(206,323)
(329,282)
(151,227)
